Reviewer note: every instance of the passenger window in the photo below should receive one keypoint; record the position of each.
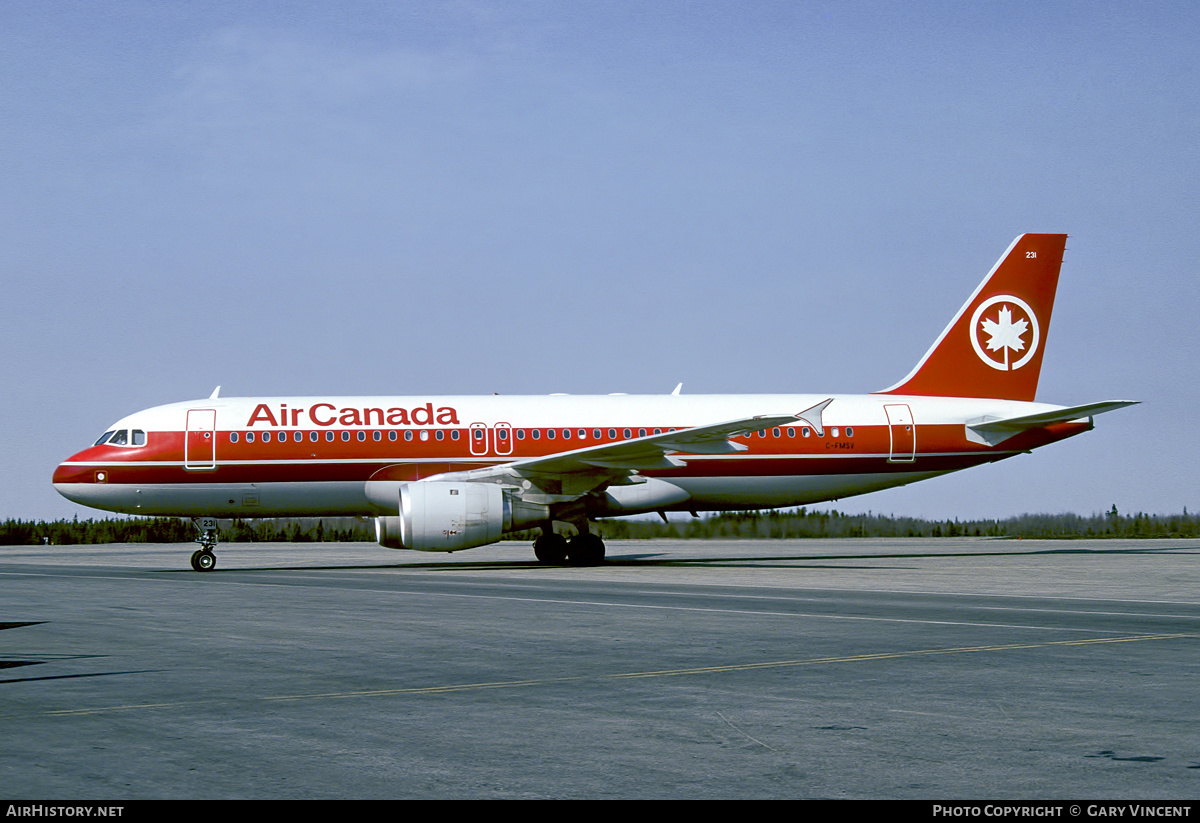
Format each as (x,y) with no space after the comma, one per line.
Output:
(549,434)
(804,431)
(249,437)
(596,435)
(440,435)
(408,434)
(298,437)
(362,436)
(314,436)
(329,437)
(535,434)
(283,437)
(376,436)
(345,436)
(849,431)
(454,434)
(392,435)
(233,437)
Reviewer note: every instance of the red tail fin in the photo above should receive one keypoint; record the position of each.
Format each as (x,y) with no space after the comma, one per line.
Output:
(993,347)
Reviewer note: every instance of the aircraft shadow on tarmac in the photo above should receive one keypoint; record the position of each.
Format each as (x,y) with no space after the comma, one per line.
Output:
(12,664)
(670,560)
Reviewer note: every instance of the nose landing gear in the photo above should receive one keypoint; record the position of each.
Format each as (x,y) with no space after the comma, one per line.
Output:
(203,560)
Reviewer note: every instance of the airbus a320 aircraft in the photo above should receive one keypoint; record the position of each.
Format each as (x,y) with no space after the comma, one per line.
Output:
(450,473)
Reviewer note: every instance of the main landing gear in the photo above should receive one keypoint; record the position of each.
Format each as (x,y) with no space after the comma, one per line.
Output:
(584,549)
(203,560)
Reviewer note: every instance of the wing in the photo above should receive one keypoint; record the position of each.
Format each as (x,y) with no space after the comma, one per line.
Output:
(569,474)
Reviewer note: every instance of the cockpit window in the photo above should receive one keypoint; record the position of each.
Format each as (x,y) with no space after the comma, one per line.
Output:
(123,437)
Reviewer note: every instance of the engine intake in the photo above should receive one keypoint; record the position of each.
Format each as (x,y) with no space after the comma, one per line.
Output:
(441,516)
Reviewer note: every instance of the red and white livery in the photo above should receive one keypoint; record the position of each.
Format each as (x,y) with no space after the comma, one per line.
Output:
(450,473)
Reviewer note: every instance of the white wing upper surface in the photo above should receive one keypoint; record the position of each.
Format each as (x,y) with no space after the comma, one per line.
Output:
(581,470)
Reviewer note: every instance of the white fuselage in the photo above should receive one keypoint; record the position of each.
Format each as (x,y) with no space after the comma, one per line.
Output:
(266,457)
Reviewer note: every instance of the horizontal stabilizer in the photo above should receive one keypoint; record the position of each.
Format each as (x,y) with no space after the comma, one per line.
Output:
(994,432)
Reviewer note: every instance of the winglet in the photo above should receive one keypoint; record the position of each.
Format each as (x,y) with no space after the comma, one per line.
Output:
(216,392)
(993,347)
(812,416)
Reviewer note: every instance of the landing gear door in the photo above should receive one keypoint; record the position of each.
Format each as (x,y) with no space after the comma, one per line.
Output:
(200,440)
(903,433)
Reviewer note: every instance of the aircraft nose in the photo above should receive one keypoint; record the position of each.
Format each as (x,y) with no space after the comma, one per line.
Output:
(79,483)
(65,473)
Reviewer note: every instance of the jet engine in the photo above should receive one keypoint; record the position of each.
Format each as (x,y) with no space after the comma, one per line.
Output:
(442,516)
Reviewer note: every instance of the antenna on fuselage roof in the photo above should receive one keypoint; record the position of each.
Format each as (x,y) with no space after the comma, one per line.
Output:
(216,392)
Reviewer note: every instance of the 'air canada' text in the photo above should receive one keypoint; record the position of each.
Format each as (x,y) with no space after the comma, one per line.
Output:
(327,414)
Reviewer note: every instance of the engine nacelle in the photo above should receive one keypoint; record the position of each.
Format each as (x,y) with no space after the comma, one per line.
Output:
(441,516)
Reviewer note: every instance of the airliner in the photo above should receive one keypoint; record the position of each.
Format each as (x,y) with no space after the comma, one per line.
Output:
(443,474)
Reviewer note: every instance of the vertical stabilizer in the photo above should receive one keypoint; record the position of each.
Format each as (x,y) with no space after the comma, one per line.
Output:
(993,347)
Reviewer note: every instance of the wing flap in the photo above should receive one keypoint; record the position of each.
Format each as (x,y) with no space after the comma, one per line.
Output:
(650,451)
(588,468)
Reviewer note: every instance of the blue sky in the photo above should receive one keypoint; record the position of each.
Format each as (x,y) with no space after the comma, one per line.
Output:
(585,197)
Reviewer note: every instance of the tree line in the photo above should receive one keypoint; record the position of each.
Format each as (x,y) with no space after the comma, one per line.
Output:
(181,530)
(789,524)
(832,524)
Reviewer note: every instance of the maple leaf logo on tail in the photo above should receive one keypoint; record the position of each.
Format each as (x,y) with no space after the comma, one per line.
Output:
(1010,342)
(1005,334)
